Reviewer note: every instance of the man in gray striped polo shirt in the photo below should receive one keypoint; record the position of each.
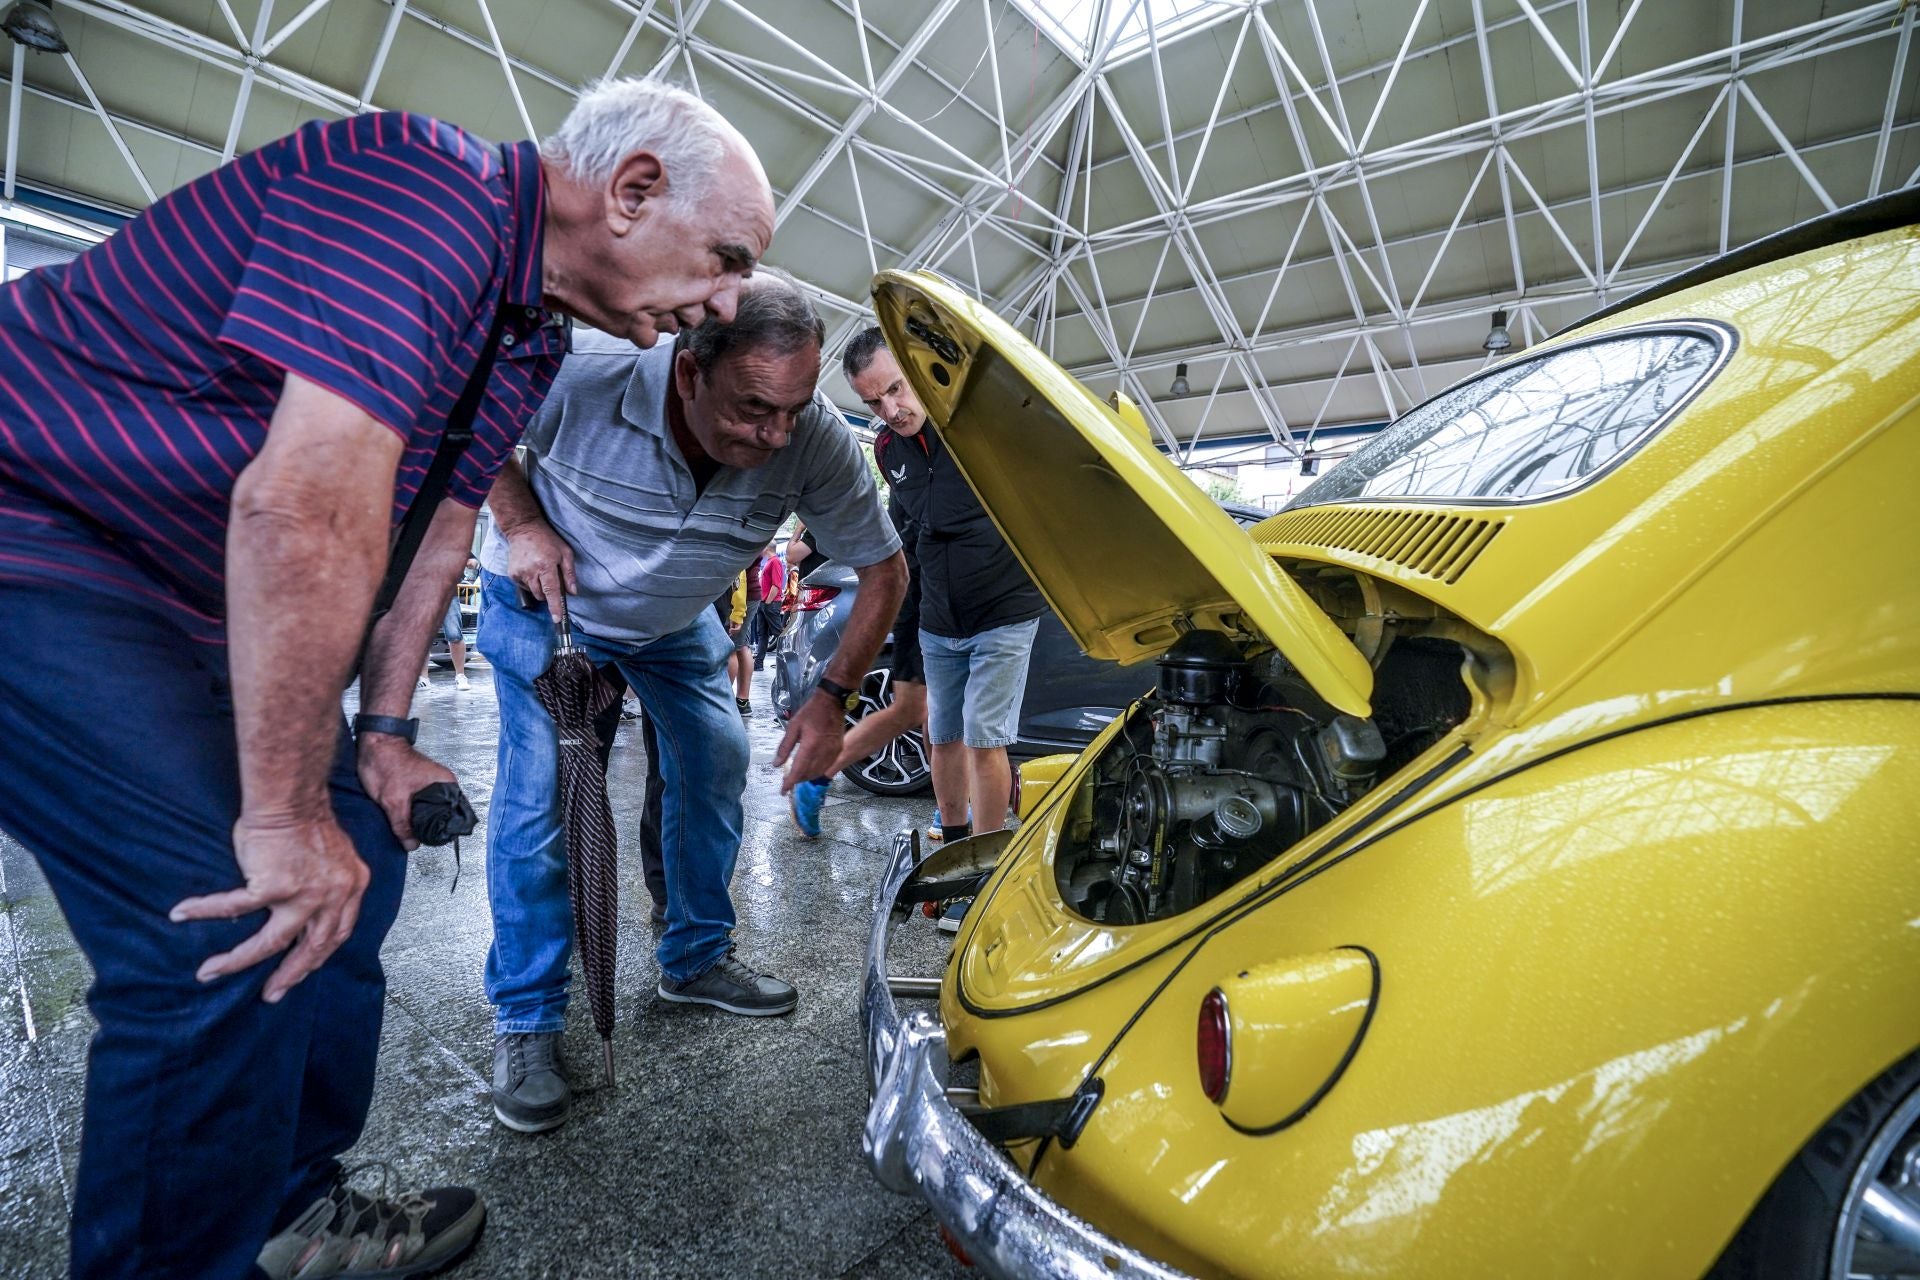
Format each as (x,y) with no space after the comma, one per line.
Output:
(652,478)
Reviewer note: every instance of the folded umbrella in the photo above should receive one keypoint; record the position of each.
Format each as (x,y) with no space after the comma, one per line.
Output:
(575,694)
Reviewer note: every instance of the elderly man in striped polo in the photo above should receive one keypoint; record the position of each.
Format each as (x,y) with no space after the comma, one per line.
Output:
(209,425)
(653,478)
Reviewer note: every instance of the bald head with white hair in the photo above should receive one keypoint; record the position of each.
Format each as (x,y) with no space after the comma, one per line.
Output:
(657,209)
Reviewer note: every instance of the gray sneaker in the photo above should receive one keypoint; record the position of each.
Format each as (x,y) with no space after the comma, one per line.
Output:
(735,987)
(348,1235)
(530,1092)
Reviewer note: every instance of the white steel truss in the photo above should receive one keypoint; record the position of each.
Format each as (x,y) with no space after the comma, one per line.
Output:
(1018,218)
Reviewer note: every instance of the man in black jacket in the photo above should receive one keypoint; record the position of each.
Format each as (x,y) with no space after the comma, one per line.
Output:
(978,608)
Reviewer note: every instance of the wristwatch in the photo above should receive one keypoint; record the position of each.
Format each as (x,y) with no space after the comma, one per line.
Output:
(393,725)
(849,699)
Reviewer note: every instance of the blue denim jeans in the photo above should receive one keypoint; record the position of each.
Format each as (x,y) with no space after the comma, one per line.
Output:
(681,681)
(975,684)
(211,1118)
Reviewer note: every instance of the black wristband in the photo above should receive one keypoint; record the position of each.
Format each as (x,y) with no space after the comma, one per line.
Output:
(847,698)
(391,725)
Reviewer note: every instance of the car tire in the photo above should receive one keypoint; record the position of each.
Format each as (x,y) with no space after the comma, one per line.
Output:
(902,767)
(1809,1224)
(777,686)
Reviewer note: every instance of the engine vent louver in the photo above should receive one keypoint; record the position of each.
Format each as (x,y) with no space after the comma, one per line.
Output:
(1435,544)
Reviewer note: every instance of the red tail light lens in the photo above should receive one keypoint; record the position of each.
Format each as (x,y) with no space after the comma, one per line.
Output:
(1216,1046)
(812,598)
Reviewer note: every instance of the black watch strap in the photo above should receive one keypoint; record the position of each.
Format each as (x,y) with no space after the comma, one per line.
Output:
(847,698)
(394,725)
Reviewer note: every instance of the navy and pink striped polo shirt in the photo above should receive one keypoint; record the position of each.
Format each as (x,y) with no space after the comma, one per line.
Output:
(366,254)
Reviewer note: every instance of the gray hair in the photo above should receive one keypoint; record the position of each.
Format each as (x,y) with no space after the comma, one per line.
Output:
(773,315)
(615,118)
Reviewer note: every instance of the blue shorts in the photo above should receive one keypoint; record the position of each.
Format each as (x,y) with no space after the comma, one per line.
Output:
(450,624)
(975,685)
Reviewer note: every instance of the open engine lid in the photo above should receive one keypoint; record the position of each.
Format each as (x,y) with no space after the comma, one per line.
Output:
(1126,549)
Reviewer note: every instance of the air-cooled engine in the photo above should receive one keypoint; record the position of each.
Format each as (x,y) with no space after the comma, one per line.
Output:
(1228,762)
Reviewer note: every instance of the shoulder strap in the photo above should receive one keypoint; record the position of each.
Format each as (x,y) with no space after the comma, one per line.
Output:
(453,442)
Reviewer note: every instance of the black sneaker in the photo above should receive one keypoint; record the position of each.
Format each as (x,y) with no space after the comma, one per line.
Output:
(530,1091)
(745,705)
(347,1235)
(735,987)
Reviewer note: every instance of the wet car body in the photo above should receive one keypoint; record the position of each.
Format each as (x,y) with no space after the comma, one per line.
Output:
(1512,871)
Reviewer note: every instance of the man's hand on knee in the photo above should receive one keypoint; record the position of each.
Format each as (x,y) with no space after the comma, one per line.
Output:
(308,878)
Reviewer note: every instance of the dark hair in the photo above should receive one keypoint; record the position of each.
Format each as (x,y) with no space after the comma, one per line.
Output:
(773,315)
(866,344)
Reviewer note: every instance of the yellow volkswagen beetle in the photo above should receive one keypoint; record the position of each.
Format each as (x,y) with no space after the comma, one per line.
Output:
(1513,869)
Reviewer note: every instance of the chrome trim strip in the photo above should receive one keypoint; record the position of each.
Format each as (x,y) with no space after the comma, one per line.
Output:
(918,1142)
(879,1016)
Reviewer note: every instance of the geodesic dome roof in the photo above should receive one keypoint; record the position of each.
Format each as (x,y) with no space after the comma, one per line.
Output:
(1315,205)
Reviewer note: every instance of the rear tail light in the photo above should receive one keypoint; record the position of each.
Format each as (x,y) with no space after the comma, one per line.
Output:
(812,598)
(1215,1046)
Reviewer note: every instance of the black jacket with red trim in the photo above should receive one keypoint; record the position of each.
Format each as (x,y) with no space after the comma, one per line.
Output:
(969,579)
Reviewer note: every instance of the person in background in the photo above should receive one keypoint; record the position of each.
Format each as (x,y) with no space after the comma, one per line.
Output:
(802,559)
(732,607)
(771,615)
(237,391)
(748,628)
(979,611)
(453,631)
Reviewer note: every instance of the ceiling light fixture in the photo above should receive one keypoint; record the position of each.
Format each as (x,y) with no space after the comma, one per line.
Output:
(1309,465)
(30,22)
(1180,387)
(1498,339)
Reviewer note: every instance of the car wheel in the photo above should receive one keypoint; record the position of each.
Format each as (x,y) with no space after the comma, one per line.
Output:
(1848,1205)
(777,686)
(898,769)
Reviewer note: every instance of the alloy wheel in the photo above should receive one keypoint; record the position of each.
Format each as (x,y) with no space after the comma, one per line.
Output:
(900,768)
(1878,1236)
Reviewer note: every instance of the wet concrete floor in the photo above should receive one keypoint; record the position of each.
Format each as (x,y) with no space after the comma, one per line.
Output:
(730,1146)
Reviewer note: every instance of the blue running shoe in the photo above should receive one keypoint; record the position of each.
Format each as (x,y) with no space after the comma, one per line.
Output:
(805,805)
(938,829)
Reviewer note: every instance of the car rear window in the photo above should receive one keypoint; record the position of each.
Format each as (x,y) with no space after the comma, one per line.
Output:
(1532,428)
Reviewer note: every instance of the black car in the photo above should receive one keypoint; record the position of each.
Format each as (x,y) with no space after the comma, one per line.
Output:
(1069,698)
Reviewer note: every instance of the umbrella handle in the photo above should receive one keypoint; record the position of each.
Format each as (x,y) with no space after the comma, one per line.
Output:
(563,629)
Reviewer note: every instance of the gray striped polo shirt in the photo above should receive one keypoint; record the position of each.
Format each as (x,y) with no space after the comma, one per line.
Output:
(650,554)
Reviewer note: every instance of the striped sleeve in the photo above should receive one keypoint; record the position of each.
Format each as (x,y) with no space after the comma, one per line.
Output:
(367,275)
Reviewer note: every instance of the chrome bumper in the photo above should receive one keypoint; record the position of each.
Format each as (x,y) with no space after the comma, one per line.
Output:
(919,1143)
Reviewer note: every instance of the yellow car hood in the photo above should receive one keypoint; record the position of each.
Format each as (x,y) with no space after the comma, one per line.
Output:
(1126,549)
